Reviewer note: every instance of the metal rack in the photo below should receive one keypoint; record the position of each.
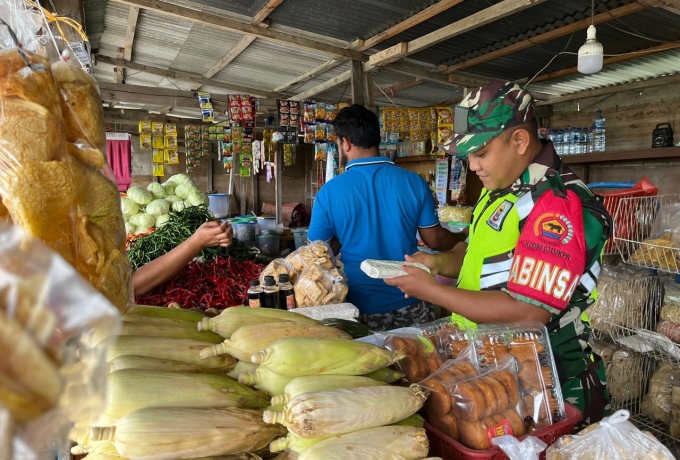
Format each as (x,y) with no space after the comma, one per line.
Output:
(636,217)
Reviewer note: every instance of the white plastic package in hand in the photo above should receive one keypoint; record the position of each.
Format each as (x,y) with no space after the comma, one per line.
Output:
(385,269)
(336,311)
(614,438)
(529,449)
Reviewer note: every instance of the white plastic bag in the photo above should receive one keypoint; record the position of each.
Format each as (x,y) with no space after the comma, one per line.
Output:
(529,449)
(614,438)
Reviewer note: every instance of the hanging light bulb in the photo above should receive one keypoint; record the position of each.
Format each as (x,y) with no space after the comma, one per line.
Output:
(591,54)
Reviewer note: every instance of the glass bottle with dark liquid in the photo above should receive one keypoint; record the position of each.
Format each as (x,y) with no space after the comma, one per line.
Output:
(255,294)
(286,293)
(270,294)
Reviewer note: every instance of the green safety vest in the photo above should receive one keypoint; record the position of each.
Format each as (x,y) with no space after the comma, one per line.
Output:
(494,231)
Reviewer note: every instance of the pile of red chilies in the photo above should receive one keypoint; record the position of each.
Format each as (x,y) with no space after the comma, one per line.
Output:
(219,283)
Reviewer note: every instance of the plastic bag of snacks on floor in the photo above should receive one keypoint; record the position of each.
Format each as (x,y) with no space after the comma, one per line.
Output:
(54,334)
(614,438)
(529,449)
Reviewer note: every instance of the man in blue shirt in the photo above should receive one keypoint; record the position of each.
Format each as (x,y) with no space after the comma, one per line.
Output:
(373,211)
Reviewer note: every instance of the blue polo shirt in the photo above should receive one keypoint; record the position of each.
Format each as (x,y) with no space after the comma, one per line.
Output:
(374,210)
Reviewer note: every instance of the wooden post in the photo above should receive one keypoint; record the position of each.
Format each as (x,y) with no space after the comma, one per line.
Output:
(368,90)
(72,9)
(356,76)
(279,184)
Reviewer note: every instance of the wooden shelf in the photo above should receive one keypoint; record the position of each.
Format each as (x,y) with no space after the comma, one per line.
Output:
(418,159)
(624,155)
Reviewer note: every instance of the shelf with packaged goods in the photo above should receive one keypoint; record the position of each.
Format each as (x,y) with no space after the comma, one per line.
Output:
(624,155)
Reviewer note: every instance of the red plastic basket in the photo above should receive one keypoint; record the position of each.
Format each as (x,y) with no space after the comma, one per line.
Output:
(612,203)
(445,447)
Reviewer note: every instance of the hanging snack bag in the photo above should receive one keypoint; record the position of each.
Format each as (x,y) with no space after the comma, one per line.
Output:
(444,116)
(320,114)
(331,112)
(145,141)
(310,112)
(157,128)
(310,133)
(320,132)
(145,127)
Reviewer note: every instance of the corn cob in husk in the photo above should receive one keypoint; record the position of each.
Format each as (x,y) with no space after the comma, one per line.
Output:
(355,451)
(249,340)
(234,318)
(190,316)
(414,420)
(330,413)
(133,389)
(157,320)
(174,332)
(298,356)
(242,367)
(265,380)
(386,375)
(169,434)
(156,364)
(29,382)
(316,383)
(184,350)
(409,442)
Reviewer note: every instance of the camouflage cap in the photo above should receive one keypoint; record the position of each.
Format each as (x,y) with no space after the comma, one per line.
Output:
(485,113)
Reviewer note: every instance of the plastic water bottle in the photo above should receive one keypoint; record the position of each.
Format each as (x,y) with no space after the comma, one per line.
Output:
(573,141)
(600,132)
(590,140)
(579,141)
(584,140)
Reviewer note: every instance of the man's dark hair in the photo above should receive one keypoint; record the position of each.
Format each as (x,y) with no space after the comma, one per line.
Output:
(358,125)
(531,126)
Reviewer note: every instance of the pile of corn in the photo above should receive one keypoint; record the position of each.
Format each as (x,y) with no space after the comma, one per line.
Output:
(172,392)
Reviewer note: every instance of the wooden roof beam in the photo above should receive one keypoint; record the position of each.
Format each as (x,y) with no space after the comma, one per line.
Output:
(410,22)
(544,37)
(325,86)
(479,19)
(609,61)
(133,15)
(667,80)
(672,6)
(392,90)
(187,77)
(218,22)
(265,11)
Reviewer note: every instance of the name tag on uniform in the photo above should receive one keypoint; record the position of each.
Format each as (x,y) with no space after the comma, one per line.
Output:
(499,215)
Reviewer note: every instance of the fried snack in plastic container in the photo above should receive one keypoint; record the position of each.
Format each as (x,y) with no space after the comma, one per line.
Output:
(53,367)
(657,402)
(439,403)
(316,286)
(485,405)
(421,358)
(614,438)
(451,341)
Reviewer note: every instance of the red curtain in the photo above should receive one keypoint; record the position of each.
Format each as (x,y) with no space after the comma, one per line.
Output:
(118,153)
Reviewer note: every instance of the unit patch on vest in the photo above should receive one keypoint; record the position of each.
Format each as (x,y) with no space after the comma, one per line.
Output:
(499,215)
(550,256)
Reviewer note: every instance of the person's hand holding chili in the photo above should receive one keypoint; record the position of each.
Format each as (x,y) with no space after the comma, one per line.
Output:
(213,234)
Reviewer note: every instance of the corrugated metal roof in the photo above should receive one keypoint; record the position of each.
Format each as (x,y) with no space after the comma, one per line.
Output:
(663,63)
(203,47)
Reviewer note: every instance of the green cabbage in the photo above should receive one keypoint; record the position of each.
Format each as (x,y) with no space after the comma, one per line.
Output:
(139,195)
(139,230)
(197,198)
(158,207)
(184,190)
(179,179)
(129,207)
(129,229)
(169,188)
(143,220)
(178,206)
(156,190)
(172,198)
(161,220)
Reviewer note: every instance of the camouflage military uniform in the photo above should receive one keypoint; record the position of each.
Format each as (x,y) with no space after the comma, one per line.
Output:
(412,315)
(484,114)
